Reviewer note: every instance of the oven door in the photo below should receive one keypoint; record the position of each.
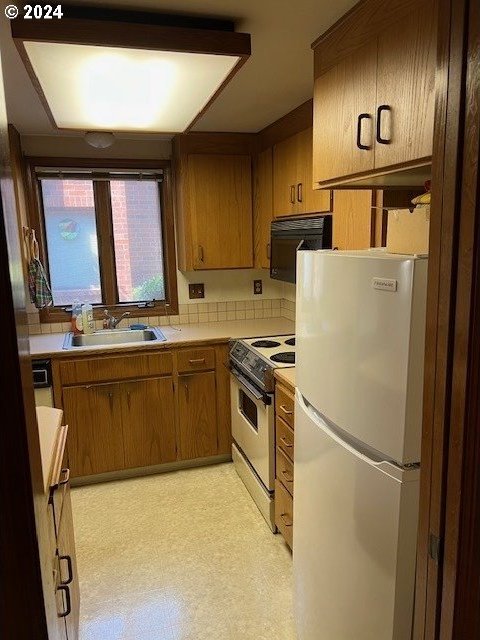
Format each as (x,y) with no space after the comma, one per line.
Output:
(252,427)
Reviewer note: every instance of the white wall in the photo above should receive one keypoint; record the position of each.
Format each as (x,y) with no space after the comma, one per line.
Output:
(232,284)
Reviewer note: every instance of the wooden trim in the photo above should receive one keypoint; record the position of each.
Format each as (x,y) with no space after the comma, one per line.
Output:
(106,250)
(297,120)
(110,33)
(130,35)
(104,230)
(372,179)
(214,142)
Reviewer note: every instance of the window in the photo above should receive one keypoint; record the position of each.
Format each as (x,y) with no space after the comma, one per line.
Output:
(107,238)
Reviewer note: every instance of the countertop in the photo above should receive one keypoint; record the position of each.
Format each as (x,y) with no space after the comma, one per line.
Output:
(49,429)
(51,344)
(286,375)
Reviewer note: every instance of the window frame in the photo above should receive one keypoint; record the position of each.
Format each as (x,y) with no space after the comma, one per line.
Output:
(104,231)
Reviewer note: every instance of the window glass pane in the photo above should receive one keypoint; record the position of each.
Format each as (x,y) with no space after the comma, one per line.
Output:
(71,240)
(137,233)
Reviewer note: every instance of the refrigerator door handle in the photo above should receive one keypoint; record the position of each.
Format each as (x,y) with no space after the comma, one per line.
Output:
(381,464)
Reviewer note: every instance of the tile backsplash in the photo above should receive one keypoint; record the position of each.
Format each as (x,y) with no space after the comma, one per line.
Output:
(192,313)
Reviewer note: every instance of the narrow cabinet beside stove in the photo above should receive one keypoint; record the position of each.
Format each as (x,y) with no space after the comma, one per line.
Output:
(284,449)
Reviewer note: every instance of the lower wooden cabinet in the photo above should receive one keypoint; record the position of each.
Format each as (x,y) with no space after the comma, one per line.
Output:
(67,568)
(95,440)
(284,466)
(197,415)
(284,512)
(148,421)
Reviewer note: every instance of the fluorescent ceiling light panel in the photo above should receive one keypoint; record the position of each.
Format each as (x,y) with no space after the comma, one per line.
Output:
(118,89)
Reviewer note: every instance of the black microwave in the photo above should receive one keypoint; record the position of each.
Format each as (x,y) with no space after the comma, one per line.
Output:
(293,234)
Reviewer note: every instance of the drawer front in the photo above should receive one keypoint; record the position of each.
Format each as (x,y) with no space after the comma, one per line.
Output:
(284,471)
(109,368)
(284,404)
(189,360)
(285,438)
(284,512)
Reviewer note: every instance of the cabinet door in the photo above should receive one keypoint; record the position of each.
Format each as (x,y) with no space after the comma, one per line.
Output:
(197,415)
(341,94)
(68,565)
(148,418)
(309,200)
(220,202)
(353,219)
(285,154)
(95,441)
(406,87)
(262,207)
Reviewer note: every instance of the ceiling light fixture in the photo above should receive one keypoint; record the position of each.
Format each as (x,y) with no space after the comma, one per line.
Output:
(96,75)
(99,139)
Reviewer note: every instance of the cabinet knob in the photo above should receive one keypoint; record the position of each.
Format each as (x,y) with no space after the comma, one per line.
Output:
(381,109)
(268,251)
(292,194)
(287,520)
(285,443)
(200,253)
(66,476)
(285,410)
(300,192)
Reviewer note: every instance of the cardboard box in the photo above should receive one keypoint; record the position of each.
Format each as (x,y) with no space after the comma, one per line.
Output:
(407,231)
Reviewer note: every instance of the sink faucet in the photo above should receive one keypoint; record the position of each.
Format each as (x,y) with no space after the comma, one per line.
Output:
(113,322)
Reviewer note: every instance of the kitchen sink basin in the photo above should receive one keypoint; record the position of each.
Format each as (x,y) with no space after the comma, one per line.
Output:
(111,337)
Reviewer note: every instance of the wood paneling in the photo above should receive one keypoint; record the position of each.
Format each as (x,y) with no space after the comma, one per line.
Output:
(262,207)
(197,415)
(189,360)
(353,219)
(115,367)
(341,94)
(95,439)
(312,200)
(67,564)
(148,422)
(288,125)
(285,439)
(224,426)
(285,177)
(220,201)
(284,512)
(284,404)
(406,82)
(284,470)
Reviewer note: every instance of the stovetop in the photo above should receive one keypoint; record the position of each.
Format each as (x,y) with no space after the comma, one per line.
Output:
(273,348)
(256,358)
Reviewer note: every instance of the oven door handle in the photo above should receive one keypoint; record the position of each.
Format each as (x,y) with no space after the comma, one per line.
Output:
(242,380)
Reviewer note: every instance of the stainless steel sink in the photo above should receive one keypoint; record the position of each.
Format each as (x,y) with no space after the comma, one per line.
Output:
(110,337)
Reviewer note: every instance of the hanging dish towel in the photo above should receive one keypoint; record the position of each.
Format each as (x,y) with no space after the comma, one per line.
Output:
(40,292)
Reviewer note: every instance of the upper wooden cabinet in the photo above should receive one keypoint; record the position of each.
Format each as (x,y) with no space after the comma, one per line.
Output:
(374,91)
(214,201)
(262,207)
(292,178)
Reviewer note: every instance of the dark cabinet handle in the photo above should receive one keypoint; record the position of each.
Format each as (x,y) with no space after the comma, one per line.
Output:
(70,570)
(292,194)
(268,251)
(380,110)
(361,118)
(68,609)
(300,192)
(66,476)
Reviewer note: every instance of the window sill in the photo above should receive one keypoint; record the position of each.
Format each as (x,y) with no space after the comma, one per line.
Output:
(58,314)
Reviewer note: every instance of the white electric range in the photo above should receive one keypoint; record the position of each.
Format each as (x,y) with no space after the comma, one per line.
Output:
(252,363)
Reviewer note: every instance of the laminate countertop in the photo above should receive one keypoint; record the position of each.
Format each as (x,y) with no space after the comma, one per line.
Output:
(51,344)
(286,375)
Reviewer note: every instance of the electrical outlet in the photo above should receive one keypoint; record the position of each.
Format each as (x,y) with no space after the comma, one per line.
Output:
(257,287)
(196,291)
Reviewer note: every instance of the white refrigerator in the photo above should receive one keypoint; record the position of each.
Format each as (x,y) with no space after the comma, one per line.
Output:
(360,347)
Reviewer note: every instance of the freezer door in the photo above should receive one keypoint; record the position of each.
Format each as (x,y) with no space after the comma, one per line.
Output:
(354,539)
(360,345)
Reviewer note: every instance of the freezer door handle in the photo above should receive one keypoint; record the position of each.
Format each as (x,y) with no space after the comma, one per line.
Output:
(370,458)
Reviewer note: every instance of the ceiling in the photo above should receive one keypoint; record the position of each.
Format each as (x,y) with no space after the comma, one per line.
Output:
(276,78)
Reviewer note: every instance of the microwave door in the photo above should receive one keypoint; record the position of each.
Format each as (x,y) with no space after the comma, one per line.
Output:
(283,260)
